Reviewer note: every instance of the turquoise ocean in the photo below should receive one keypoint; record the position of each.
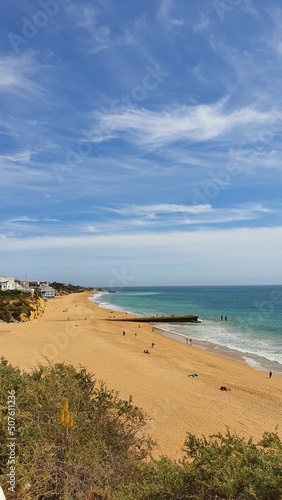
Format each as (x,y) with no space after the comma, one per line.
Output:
(253,330)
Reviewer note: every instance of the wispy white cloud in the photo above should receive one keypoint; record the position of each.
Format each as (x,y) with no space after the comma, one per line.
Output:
(21,156)
(133,219)
(278,47)
(183,215)
(164,9)
(22,173)
(17,74)
(96,37)
(167,15)
(184,123)
(256,67)
(198,71)
(176,22)
(86,15)
(90,229)
(230,215)
(203,23)
(23,218)
(162,208)
(274,39)
(27,218)
(258,156)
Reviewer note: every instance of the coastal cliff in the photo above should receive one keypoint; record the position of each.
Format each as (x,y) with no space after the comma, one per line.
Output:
(37,308)
(67,288)
(16,306)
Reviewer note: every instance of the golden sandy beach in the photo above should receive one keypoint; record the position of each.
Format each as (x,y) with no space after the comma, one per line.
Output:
(75,330)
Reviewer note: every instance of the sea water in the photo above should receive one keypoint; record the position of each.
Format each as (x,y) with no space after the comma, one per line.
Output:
(252,331)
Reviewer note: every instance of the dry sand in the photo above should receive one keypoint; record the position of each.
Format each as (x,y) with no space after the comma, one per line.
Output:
(159,382)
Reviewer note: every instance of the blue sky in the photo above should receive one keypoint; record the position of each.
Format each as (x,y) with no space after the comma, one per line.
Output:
(141,141)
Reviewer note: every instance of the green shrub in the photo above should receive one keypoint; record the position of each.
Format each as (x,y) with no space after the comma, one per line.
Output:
(106,440)
(230,467)
(79,440)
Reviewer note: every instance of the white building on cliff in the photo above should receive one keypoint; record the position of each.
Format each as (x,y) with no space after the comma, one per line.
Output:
(47,292)
(7,283)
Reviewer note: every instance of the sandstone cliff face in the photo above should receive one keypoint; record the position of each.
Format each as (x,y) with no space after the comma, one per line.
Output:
(36,310)
(17,306)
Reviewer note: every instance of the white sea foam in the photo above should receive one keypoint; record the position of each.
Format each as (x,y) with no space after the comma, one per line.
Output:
(107,305)
(253,363)
(96,297)
(229,338)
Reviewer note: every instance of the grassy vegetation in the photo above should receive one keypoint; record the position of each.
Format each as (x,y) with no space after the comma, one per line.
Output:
(14,304)
(76,439)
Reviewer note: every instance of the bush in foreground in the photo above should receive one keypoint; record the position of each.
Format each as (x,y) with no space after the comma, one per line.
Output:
(223,467)
(101,443)
(79,440)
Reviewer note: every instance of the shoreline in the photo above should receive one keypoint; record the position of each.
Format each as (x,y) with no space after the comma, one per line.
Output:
(253,361)
(75,330)
(228,353)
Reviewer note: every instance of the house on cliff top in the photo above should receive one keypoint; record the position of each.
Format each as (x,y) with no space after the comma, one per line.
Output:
(7,283)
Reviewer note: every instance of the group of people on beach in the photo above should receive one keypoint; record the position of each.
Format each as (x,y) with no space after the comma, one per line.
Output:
(146,351)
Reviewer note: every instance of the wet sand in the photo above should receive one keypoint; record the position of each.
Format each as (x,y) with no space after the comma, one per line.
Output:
(75,330)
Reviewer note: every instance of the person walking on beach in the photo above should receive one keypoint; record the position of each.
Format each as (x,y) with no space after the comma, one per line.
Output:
(270,374)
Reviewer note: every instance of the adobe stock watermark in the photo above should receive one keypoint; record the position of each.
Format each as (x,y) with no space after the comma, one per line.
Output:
(262,310)
(31,26)
(161,413)
(11,440)
(50,350)
(120,279)
(224,6)
(266,135)
(216,182)
(153,77)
